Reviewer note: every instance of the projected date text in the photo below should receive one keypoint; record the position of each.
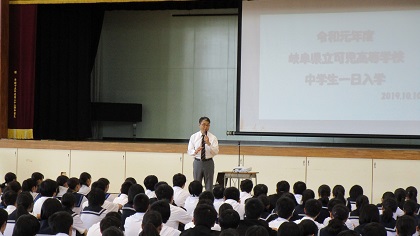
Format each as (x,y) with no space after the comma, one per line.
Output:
(400,96)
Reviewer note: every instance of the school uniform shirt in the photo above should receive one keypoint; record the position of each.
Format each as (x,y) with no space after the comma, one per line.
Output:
(277,222)
(217,203)
(11,221)
(200,230)
(34,195)
(109,197)
(10,209)
(127,211)
(110,206)
(216,227)
(133,223)
(354,218)
(238,207)
(94,230)
(85,190)
(390,227)
(78,205)
(298,198)
(77,222)
(180,195)
(61,191)
(178,215)
(91,215)
(190,204)
(243,196)
(150,193)
(38,205)
(122,199)
(348,223)
(166,231)
(320,226)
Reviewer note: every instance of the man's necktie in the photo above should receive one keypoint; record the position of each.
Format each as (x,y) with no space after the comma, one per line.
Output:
(203,151)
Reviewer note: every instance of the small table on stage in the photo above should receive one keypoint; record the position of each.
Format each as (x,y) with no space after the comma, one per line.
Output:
(229,175)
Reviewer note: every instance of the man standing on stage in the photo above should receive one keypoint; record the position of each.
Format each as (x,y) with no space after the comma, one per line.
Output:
(203,146)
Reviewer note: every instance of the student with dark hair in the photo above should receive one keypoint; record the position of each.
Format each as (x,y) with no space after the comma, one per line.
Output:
(131,179)
(368,213)
(37,177)
(163,208)
(246,188)
(400,197)
(218,191)
(266,215)
(338,192)
(355,191)
(151,224)
(289,229)
(85,180)
(229,232)
(389,206)
(128,209)
(298,189)
(339,214)
(149,182)
(348,233)
(281,188)
(62,185)
(256,230)
(26,225)
(253,210)
(3,221)
(361,201)
(411,194)
(73,185)
(228,219)
(204,218)
(49,207)
(112,231)
(195,188)
(61,223)
(110,219)
(284,210)
(29,185)
(308,228)
(312,209)
(68,202)
(103,184)
(47,189)
(94,213)
(406,225)
(122,198)
(14,186)
(374,229)
(9,200)
(231,196)
(324,193)
(180,194)
(132,224)
(106,182)
(331,205)
(206,195)
(260,189)
(299,212)
(410,208)
(24,205)
(178,215)
(8,177)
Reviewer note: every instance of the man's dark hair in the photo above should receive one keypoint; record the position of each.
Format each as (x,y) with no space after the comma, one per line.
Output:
(60,222)
(369,213)
(374,229)
(9,197)
(218,191)
(109,221)
(253,209)
(406,225)
(299,187)
(285,207)
(112,231)
(246,185)
(288,229)
(260,189)
(164,192)
(68,200)
(282,187)
(340,212)
(49,207)
(179,180)
(105,181)
(206,195)
(96,197)
(26,225)
(256,230)
(72,183)
(312,207)
(410,207)
(163,208)
(37,176)
(205,215)
(131,179)
(133,191)
(229,219)
(84,177)
(232,193)
(225,206)
(150,181)
(48,187)
(308,227)
(141,202)
(195,188)
(62,179)
(125,187)
(203,118)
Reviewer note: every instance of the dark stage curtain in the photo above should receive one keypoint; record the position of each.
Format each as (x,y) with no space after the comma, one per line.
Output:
(67,42)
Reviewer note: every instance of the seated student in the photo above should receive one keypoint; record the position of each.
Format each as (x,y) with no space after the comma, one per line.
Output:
(204,218)
(24,205)
(281,188)
(149,182)
(246,188)
(411,194)
(47,189)
(132,224)
(399,211)
(3,221)
(38,178)
(180,194)
(195,188)
(231,196)
(298,189)
(62,186)
(260,189)
(228,218)
(284,209)
(73,185)
(106,182)
(128,209)
(26,225)
(368,213)
(338,192)
(339,215)
(151,224)
(94,213)
(68,202)
(131,180)
(122,198)
(331,204)
(9,200)
(109,206)
(178,215)
(218,196)
(256,230)
(399,194)
(374,229)
(61,223)
(324,193)
(112,231)
(289,229)
(29,185)
(164,209)
(266,215)
(253,210)
(406,225)
(299,212)
(388,208)
(355,191)
(8,177)
(85,180)
(111,219)
(308,228)
(216,226)
(49,207)
(410,208)
(361,201)
(312,209)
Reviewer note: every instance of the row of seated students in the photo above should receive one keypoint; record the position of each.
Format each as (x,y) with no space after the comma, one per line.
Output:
(161,209)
